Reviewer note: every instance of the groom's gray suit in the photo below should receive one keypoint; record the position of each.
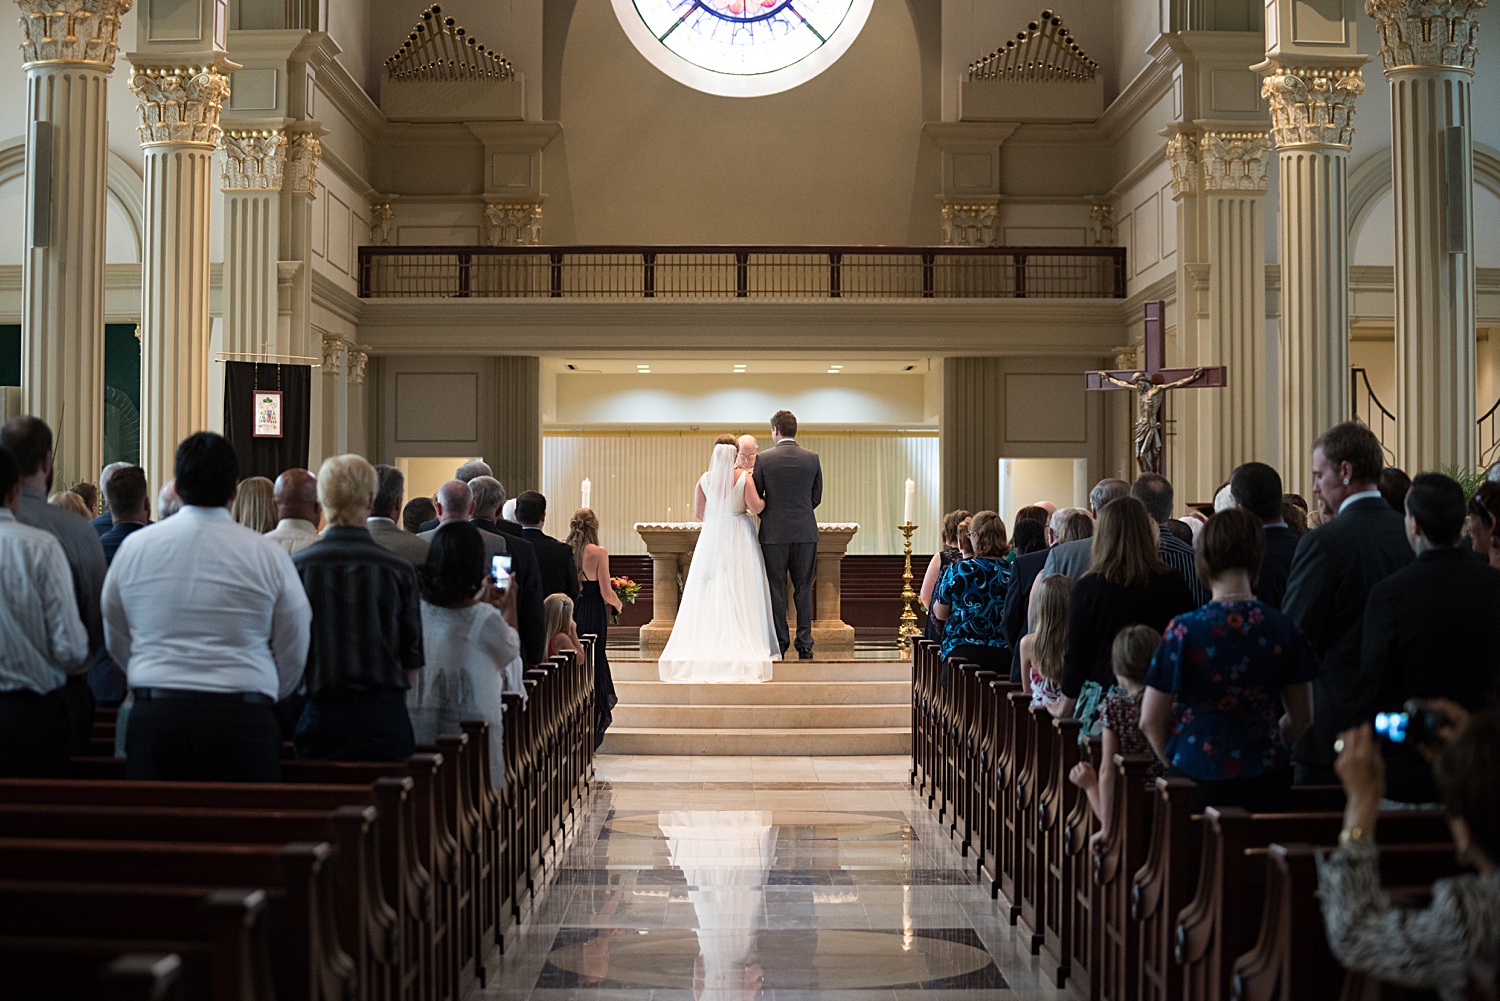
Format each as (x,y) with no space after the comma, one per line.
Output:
(790,478)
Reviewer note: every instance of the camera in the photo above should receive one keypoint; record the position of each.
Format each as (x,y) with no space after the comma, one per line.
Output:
(1418,723)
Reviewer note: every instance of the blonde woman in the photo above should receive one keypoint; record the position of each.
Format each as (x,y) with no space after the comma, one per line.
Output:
(254,506)
(69,501)
(562,635)
(1042,649)
(591,614)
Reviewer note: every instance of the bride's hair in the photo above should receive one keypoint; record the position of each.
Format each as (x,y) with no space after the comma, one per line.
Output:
(727,439)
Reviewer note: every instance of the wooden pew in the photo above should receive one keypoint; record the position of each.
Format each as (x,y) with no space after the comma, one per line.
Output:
(307,959)
(1117,952)
(1165,883)
(66,932)
(1211,932)
(1082,917)
(1291,958)
(1057,800)
(998,803)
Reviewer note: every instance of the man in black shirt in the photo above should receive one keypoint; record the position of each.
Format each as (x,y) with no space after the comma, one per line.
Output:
(1256,487)
(559,575)
(367,628)
(1429,628)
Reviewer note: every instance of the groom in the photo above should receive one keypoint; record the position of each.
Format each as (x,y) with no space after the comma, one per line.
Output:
(790,478)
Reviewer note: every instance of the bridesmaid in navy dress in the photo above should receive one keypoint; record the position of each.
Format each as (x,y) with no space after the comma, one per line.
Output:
(592,610)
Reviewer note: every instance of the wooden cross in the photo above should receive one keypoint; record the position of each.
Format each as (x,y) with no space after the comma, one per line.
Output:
(1151,385)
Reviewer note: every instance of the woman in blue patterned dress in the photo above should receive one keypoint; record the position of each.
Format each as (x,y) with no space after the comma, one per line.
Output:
(969,598)
(1241,674)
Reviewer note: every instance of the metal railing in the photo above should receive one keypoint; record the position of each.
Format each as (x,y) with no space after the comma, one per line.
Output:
(1375,416)
(743,272)
(1489,436)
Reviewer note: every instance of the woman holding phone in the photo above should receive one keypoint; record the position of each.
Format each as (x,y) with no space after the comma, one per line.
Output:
(473,654)
(592,610)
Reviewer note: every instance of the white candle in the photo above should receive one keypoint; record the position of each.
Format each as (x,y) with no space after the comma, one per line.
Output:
(588,488)
(911,493)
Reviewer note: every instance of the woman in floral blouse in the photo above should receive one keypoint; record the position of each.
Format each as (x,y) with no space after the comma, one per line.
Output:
(1241,673)
(969,598)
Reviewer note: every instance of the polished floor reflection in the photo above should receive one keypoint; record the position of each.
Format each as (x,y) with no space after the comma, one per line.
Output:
(780,879)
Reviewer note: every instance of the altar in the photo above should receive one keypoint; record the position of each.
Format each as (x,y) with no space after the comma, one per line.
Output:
(671,546)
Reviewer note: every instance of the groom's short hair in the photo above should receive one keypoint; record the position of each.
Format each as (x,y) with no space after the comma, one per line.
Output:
(784,423)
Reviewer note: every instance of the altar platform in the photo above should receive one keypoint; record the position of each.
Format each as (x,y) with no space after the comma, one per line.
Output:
(819,707)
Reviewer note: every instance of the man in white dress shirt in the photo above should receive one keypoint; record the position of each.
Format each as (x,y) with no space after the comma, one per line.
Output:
(211,624)
(42,640)
(296,498)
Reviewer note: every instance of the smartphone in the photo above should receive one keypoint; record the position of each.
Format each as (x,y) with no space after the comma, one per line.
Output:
(500,571)
(1393,727)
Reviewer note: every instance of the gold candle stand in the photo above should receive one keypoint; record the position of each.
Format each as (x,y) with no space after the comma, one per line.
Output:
(908,630)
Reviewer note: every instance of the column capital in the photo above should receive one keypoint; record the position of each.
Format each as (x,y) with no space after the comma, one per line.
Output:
(1182,154)
(508,224)
(304,151)
(252,159)
(357,362)
(179,104)
(1426,33)
(75,31)
(971,222)
(1311,105)
(382,218)
(335,350)
(1234,161)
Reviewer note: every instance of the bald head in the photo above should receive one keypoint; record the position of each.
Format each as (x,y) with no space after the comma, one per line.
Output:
(296,495)
(455,501)
(749,448)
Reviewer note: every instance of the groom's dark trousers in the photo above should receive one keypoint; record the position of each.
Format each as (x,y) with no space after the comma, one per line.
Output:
(798,558)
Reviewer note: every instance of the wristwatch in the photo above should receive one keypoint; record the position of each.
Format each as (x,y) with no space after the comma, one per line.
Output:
(1349,834)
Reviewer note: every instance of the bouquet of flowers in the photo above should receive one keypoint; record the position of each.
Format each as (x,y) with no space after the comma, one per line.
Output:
(627,591)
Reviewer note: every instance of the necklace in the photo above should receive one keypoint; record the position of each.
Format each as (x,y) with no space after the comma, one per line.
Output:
(1234,596)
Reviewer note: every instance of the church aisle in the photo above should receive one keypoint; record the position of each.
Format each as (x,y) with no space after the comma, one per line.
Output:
(778,878)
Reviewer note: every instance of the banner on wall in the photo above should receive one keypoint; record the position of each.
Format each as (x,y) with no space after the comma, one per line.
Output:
(267,416)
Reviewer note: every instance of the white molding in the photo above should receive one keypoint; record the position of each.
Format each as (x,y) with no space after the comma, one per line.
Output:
(1369,182)
(122,182)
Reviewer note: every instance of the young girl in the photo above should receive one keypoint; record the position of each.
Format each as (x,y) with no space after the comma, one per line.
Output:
(1120,712)
(557,614)
(1042,649)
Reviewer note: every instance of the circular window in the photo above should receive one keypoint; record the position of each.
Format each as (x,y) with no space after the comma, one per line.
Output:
(742,48)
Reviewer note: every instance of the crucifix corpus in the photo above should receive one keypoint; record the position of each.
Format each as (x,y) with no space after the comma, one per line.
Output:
(1151,385)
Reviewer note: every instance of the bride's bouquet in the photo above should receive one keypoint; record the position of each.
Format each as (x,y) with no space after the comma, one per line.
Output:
(627,591)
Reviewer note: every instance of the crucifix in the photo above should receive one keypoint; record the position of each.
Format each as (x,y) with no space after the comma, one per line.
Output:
(1151,385)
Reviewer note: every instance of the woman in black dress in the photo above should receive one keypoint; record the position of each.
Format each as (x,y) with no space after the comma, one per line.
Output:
(947,554)
(592,610)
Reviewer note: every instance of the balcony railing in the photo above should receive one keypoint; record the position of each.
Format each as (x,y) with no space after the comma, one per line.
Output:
(745,272)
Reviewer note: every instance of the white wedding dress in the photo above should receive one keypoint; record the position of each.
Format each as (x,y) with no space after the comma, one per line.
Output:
(723,634)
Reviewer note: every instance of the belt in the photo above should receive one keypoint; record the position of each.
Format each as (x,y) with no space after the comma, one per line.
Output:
(250,698)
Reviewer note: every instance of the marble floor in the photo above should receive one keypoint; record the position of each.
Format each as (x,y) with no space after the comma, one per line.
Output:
(776,878)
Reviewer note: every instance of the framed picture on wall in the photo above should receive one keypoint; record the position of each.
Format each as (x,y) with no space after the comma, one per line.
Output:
(267,404)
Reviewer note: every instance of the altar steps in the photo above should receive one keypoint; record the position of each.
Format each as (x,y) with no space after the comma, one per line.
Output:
(809,708)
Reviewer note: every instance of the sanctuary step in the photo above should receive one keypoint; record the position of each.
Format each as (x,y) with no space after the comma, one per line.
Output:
(808,708)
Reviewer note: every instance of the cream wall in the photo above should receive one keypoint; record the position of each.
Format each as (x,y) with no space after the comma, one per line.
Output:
(643,159)
(739,403)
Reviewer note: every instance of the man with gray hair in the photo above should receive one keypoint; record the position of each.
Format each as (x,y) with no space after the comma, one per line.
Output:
(390,491)
(469,470)
(105,522)
(167,501)
(1071,559)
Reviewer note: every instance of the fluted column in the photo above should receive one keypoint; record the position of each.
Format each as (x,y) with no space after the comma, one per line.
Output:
(179,128)
(251,165)
(304,151)
(68,48)
(1234,184)
(1312,124)
(1429,50)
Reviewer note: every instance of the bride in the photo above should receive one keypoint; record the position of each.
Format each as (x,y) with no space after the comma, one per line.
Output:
(723,634)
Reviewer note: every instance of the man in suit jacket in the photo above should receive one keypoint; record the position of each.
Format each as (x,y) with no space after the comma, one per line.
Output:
(1429,628)
(455,501)
(1071,559)
(1332,573)
(129,502)
(559,573)
(790,478)
(104,522)
(1014,622)
(1256,487)
(390,493)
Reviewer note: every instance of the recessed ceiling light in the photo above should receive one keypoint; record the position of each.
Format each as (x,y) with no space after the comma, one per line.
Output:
(834,371)
(835,368)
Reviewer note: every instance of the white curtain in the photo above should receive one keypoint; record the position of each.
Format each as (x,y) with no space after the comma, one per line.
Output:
(650,477)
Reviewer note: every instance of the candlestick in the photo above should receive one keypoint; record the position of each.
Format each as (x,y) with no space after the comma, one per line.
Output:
(911,492)
(908,630)
(588,489)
